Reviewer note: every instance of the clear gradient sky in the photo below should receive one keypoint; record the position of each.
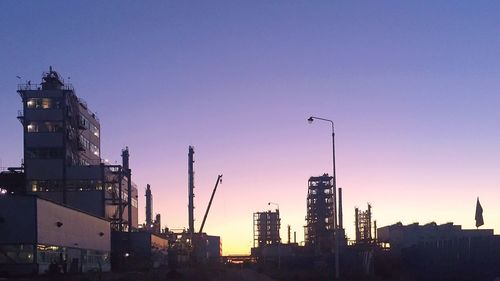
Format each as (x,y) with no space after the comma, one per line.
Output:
(413,87)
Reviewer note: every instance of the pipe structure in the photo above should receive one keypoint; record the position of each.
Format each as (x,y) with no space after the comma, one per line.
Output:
(128,174)
(289,232)
(191,190)
(149,206)
(341,219)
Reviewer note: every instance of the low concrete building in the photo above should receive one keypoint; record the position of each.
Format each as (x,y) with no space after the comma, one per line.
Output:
(35,233)
(214,248)
(138,250)
(399,236)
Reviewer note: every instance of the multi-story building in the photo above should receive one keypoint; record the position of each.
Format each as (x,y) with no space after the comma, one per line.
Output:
(62,154)
(319,220)
(266,226)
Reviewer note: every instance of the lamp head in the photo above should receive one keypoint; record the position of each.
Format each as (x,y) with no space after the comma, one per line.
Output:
(310,120)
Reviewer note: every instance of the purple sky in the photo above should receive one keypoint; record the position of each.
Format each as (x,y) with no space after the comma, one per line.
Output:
(412,87)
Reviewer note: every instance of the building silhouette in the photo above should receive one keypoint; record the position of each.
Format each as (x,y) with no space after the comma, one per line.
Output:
(62,152)
(319,229)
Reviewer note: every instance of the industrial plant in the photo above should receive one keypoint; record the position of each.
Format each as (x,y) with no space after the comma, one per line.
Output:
(80,214)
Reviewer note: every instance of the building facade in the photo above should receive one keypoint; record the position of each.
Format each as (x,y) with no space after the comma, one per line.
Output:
(36,233)
(62,154)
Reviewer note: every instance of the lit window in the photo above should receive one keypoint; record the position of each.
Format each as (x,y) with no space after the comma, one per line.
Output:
(32,127)
(31,103)
(46,103)
(94,130)
(34,186)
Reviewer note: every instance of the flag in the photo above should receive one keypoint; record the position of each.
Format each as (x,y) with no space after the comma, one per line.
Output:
(479,214)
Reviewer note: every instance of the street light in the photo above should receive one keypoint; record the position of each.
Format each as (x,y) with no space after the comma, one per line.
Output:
(277,205)
(278,217)
(335,226)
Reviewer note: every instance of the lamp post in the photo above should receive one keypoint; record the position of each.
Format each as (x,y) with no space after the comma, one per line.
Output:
(279,245)
(277,205)
(335,226)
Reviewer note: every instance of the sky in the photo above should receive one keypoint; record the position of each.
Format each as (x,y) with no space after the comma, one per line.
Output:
(412,87)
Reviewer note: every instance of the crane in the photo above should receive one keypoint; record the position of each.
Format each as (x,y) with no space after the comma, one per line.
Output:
(219,180)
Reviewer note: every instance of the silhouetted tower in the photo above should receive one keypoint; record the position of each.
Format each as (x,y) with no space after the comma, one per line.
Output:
(191,189)
(320,215)
(363,221)
(266,227)
(157,224)
(149,206)
(128,174)
(289,234)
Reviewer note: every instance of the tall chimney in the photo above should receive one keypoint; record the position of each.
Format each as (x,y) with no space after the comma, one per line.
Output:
(191,189)
(125,159)
(289,232)
(128,173)
(295,237)
(149,207)
(356,222)
(158,224)
(369,221)
(341,219)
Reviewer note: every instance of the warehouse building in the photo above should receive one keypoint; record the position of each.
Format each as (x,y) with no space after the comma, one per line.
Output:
(36,233)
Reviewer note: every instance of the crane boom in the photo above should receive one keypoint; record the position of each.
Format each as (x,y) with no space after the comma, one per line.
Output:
(219,180)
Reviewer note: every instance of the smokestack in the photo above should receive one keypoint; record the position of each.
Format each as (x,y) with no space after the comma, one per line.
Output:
(375,231)
(158,224)
(356,222)
(191,189)
(128,173)
(341,216)
(289,232)
(295,237)
(369,221)
(125,158)
(149,206)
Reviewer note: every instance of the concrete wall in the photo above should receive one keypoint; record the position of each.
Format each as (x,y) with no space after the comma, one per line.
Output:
(78,229)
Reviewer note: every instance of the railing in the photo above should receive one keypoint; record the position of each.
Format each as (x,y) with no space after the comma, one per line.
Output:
(28,87)
(84,104)
(36,87)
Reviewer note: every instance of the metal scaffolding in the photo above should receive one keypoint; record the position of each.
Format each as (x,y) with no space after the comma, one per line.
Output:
(266,228)
(363,223)
(320,213)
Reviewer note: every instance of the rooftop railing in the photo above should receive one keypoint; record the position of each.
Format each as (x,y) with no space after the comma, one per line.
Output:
(36,87)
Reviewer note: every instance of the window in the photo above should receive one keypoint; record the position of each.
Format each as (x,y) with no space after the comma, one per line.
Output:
(32,127)
(84,123)
(45,127)
(84,143)
(44,153)
(94,130)
(83,185)
(43,103)
(16,254)
(94,149)
(45,185)
(47,254)
(53,127)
